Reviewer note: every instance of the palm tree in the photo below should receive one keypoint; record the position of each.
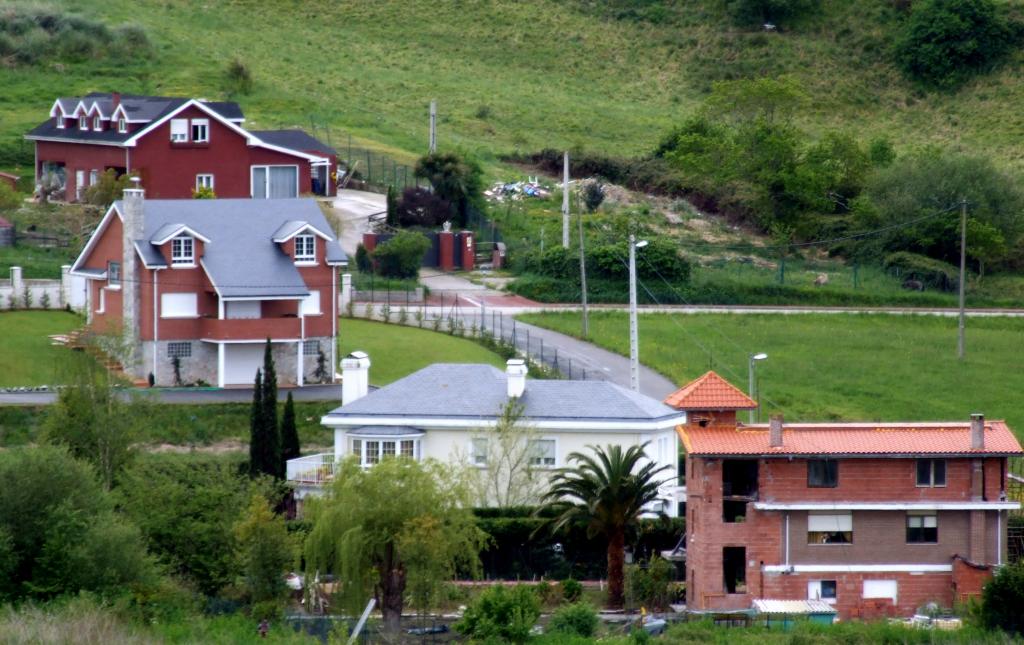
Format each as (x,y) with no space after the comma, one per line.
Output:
(603,492)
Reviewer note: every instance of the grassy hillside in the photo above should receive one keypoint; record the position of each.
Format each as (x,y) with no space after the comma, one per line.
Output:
(824,367)
(518,76)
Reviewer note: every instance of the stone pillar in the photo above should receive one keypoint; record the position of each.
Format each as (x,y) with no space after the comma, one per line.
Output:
(346,291)
(65,285)
(446,250)
(133,225)
(467,251)
(17,284)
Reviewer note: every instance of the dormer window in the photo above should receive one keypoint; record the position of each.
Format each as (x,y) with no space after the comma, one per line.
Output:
(60,122)
(305,248)
(122,125)
(97,123)
(183,251)
(83,123)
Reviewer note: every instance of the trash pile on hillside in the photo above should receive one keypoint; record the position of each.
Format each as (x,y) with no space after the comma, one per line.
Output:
(515,191)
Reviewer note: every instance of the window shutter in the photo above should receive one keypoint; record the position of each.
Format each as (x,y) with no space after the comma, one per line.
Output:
(178,305)
(840,523)
(311,304)
(179,129)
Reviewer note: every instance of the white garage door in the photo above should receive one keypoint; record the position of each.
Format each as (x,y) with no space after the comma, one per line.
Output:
(241,363)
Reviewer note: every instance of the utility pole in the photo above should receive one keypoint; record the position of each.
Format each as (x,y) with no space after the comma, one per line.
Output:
(565,200)
(963,276)
(583,277)
(634,341)
(433,126)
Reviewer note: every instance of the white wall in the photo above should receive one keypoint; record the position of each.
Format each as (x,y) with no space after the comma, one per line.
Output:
(68,291)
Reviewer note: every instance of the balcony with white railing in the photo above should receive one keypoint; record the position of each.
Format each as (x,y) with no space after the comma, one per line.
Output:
(311,470)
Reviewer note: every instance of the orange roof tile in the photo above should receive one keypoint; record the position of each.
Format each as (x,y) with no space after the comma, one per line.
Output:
(710,392)
(851,439)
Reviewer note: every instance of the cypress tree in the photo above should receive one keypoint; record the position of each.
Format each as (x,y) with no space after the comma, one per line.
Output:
(392,205)
(289,433)
(272,463)
(256,426)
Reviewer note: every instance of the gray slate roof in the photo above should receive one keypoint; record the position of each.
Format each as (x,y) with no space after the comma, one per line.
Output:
(241,259)
(460,391)
(295,140)
(138,108)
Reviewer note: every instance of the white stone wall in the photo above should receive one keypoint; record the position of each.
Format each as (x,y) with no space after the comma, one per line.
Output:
(69,291)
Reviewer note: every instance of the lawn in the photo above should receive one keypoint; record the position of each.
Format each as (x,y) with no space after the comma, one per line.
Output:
(396,351)
(26,355)
(834,367)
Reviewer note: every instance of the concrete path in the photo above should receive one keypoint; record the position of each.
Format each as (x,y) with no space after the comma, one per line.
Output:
(354,208)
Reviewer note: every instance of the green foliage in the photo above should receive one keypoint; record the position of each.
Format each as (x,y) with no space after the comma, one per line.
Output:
(576,618)
(31,35)
(58,530)
(931,273)
(572,590)
(401,256)
(264,433)
(756,12)
(363,259)
(107,189)
(945,42)
(238,77)
(648,586)
(9,199)
(1002,599)
(290,448)
(659,259)
(456,179)
(391,201)
(203,192)
(505,613)
(593,195)
(603,491)
(94,421)
(915,190)
(400,522)
(187,507)
(421,207)
(266,551)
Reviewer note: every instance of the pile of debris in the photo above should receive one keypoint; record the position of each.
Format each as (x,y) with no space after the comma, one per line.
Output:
(515,191)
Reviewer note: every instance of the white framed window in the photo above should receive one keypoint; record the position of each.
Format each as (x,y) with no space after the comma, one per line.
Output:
(922,527)
(83,123)
(179,130)
(881,589)
(822,590)
(204,181)
(179,305)
(478,451)
(200,130)
(97,123)
(371,455)
(357,449)
(310,347)
(122,125)
(305,248)
(311,304)
(113,274)
(829,528)
(372,451)
(183,251)
(542,452)
(179,350)
(407,448)
(60,122)
(275,182)
(94,177)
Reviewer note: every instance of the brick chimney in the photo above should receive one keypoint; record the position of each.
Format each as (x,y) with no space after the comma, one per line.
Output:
(515,372)
(355,377)
(133,225)
(115,99)
(775,431)
(977,431)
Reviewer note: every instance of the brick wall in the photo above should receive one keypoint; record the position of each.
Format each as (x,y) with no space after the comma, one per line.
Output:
(913,590)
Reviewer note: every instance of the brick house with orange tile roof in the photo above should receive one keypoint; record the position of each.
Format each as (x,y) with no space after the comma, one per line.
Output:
(877,519)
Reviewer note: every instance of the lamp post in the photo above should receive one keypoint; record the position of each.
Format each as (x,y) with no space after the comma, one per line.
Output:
(634,341)
(751,389)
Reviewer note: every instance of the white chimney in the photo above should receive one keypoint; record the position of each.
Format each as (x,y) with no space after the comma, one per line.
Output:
(515,372)
(977,431)
(775,431)
(133,228)
(355,377)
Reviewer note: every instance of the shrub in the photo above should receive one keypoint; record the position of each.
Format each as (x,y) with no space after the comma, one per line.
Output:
(944,42)
(501,613)
(756,12)
(238,77)
(29,35)
(203,192)
(420,207)
(578,618)
(572,590)
(9,200)
(363,262)
(649,586)
(593,195)
(1002,599)
(401,256)
(107,189)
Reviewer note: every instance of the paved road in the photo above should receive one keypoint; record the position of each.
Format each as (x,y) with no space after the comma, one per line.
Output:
(355,207)
(183,396)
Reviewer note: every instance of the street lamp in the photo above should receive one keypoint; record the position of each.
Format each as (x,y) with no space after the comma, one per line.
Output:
(753,393)
(634,341)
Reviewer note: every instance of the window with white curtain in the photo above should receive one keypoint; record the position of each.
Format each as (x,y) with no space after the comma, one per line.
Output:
(179,130)
(542,452)
(830,528)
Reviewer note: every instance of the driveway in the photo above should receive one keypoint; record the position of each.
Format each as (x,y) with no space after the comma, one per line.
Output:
(353,209)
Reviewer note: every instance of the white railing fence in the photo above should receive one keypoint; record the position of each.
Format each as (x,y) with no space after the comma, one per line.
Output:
(312,469)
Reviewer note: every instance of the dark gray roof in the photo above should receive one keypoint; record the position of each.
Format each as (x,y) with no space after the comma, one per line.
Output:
(294,140)
(138,108)
(150,255)
(452,390)
(241,258)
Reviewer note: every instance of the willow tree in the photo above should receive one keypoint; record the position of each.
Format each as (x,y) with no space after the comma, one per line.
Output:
(607,493)
(399,527)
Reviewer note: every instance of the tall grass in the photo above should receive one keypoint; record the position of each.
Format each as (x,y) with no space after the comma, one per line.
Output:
(80,620)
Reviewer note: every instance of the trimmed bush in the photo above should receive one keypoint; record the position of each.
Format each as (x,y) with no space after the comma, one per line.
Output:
(579,619)
(401,256)
(500,612)
(572,590)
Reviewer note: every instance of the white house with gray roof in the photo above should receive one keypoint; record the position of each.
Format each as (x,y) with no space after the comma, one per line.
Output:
(443,410)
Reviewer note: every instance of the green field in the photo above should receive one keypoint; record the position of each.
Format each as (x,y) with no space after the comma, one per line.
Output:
(26,354)
(519,76)
(397,351)
(834,367)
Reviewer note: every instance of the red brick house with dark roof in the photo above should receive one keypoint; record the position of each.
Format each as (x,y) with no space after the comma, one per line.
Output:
(176,145)
(875,518)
